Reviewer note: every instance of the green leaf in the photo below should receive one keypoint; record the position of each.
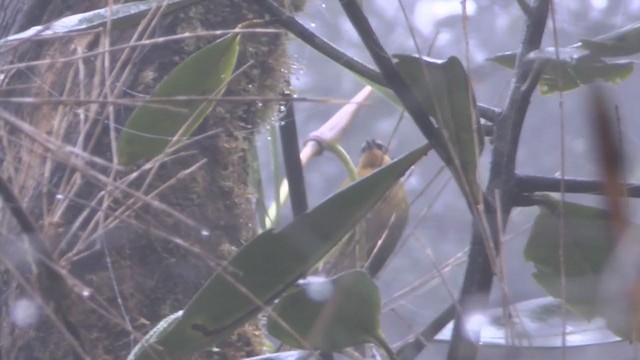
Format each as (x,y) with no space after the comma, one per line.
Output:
(122,16)
(570,67)
(621,42)
(619,290)
(446,94)
(588,72)
(568,74)
(150,130)
(328,314)
(157,333)
(272,262)
(601,270)
(588,243)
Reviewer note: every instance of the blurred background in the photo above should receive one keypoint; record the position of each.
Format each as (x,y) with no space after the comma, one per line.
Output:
(439,228)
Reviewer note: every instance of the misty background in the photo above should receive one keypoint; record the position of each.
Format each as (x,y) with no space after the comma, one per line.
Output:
(440,224)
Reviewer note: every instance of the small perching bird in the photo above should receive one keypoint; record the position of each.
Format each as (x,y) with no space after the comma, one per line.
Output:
(376,237)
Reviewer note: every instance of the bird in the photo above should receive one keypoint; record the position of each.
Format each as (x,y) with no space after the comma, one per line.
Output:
(376,237)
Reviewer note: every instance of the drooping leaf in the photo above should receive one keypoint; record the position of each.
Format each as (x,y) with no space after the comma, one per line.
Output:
(508,59)
(538,323)
(614,72)
(568,74)
(264,268)
(571,67)
(621,42)
(328,314)
(619,290)
(150,130)
(121,16)
(601,271)
(147,343)
(588,242)
(446,93)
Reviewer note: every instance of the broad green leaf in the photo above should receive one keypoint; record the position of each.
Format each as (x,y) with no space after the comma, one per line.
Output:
(538,323)
(588,72)
(568,74)
(157,333)
(619,290)
(602,273)
(582,63)
(508,59)
(272,262)
(122,16)
(573,68)
(328,314)
(446,93)
(588,243)
(150,130)
(621,42)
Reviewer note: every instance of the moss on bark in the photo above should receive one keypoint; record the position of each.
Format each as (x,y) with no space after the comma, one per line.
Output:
(123,259)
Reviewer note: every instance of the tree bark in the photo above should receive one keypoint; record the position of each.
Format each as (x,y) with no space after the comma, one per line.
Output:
(126,262)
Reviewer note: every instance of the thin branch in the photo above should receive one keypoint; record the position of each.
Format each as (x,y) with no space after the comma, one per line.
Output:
(413,348)
(489,113)
(51,285)
(533,183)
(23,219)
(478,277)
(487,130)
(393,78)
(292,164)
(291,24)
(525,7)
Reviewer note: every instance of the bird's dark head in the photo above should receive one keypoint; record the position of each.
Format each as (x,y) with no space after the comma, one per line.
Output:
(373,155)
(373,145)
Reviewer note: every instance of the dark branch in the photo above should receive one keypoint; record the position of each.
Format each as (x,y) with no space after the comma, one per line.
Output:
(525,7)
(22,218)
(532,184)
(412,349)
(50,283)
(291,24)
(393,78)
(292,164)
(489,113)
(478,277)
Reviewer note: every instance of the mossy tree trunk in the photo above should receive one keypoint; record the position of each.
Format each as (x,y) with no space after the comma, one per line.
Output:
(133,246)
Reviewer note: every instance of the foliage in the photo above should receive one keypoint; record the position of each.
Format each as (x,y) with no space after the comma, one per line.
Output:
(151,130)
(571,246)
(268,265)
